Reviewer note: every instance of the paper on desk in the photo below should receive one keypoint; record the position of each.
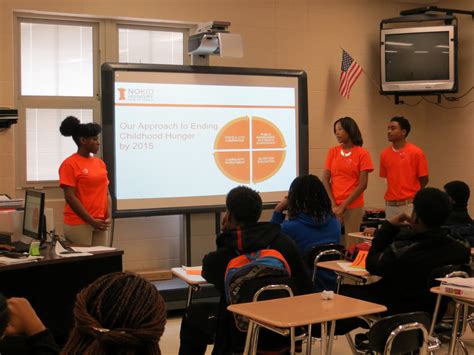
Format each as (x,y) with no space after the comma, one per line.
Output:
(458,281)
(92,249)
(9,261)
(346,266)
(193,270)
(59,249)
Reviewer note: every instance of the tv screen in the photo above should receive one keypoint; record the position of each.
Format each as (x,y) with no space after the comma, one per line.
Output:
(178,138)
(33,215)
(418,59)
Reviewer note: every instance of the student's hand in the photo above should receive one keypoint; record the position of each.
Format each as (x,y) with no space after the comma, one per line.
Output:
(369,231)
(338,210)
(100,224)
(400,219)
(23,318)
(282,205)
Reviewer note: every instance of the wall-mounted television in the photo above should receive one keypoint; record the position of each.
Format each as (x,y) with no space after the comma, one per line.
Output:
(177,138)
(419,59)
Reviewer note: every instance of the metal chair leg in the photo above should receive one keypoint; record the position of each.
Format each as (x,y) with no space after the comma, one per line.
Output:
(454,336)
(435,314)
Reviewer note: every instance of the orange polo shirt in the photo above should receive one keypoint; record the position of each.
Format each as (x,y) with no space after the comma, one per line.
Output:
(345,172)
(89,178)
(403,169)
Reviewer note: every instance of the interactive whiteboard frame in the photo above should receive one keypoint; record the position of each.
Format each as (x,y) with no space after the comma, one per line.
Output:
(108,125)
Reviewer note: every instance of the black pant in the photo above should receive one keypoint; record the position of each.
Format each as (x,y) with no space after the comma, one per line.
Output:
(198,328)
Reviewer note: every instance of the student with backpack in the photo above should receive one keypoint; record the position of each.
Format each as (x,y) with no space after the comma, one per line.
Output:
(242,234)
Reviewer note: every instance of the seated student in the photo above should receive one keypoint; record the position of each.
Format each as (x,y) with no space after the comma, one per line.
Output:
(458,192)
(459,222)
(21,330)
(405,258)
(119,313)
(310,220)
(241,233)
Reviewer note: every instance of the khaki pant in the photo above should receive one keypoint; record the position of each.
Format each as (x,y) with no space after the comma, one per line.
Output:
(352,220)
(391,211)
(85,235)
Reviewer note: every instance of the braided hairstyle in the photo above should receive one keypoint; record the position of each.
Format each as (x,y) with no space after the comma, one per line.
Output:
(307,194)
(119,313)
(4,314)
(71,126)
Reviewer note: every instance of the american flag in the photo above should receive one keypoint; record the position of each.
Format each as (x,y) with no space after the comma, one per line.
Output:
(350,71)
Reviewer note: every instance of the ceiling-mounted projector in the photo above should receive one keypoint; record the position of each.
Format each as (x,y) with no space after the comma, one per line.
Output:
(213,37)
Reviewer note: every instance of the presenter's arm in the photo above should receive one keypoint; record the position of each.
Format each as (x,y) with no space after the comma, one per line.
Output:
(363,180)
(423,181)
(79,209)
(327,185)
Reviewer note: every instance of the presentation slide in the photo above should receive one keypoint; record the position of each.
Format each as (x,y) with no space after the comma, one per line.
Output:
(186,139)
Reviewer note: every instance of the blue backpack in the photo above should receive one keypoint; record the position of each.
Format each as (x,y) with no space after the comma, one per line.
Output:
(268,263)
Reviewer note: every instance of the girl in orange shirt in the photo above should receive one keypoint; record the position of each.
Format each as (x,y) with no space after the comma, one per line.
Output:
(346,173)
(84,181)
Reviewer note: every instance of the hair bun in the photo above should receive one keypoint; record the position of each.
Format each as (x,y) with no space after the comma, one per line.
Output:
(69,126)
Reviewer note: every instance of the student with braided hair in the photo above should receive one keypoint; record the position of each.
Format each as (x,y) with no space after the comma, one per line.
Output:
(119,313)
(83,178)
(310,221)
(310,218)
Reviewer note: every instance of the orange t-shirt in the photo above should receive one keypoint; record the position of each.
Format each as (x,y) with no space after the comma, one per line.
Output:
(345,172)
(89,178)
(402,169)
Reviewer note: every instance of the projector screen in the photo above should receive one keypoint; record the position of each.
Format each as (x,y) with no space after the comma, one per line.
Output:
(176,139)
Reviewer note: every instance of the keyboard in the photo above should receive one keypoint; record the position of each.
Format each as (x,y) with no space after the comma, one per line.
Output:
(20,247)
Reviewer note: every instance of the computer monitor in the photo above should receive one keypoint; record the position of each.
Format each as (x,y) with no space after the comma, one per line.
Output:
(34,223)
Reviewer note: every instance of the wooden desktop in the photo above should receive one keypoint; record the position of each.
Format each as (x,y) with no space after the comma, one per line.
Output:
(51,284)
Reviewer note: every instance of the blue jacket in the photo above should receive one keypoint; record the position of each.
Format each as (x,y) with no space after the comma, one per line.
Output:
(307,232)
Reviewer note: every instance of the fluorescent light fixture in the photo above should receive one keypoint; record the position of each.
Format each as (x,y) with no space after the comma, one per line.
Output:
(389,51)
(441,46)
(402,44)
(420,52)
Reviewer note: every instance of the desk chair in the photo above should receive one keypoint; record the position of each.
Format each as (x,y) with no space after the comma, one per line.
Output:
(254,329)
(324,252)
(400,333)
(449,271)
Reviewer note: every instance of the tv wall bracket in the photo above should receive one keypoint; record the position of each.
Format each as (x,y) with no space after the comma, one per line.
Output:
(424,10)
(401,102)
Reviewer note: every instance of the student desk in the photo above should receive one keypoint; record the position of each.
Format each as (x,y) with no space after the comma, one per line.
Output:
(360,235)
(194,282)
(281,314)
(51,284)
(460,302)
(359,276)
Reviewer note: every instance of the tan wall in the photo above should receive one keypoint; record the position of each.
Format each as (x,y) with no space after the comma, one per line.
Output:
(298,34)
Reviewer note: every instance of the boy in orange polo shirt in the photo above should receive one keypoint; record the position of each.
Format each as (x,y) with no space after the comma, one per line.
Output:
(404,166)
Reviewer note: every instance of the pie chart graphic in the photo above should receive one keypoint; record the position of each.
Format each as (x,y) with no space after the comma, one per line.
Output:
(249,149)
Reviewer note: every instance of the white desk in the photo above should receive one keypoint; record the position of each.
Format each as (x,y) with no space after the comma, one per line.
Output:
(194,282)
(281,314)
